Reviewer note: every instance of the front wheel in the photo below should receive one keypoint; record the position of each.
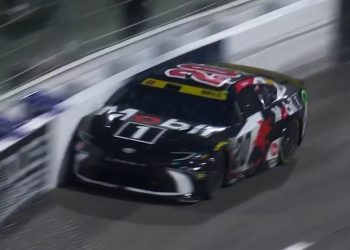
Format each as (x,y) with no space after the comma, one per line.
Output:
(215,178)
(289,142)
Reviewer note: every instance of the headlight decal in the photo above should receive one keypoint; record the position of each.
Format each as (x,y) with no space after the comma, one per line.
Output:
(219,145)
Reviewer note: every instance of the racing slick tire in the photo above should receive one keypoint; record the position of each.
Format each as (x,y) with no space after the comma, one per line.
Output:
(289,143)
(215,178)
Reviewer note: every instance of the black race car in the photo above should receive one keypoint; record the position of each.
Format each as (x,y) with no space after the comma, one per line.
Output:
(186,130)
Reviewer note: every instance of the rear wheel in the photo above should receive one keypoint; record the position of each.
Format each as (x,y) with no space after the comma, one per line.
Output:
(215,178)
(289,142)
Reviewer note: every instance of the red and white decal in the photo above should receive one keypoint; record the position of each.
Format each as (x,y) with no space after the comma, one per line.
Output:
(146,119)
(244,83)
(273,153)
(210,75)
(256,132)
(265,129)
(249,81)
(280,113)
(287,108)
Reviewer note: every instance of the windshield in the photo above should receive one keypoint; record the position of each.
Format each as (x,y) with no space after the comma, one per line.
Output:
(169,102)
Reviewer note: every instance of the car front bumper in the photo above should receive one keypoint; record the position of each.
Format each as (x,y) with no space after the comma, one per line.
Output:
(159,181)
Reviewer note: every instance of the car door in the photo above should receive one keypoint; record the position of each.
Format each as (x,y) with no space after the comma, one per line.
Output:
(249,143)
(268,140)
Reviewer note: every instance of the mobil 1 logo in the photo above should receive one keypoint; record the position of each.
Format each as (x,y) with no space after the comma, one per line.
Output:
(140,132)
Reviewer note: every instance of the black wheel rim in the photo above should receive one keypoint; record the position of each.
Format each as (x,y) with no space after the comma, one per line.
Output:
(215,182)
(216,178)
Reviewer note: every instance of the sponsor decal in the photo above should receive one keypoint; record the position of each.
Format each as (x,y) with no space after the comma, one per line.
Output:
(139,132)
(205,74)
(175,125)
(23,171)
(148,128)
(155,83)
(186,89)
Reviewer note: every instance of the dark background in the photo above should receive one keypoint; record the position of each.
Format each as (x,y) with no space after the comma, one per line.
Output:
(345,31)
(37,36)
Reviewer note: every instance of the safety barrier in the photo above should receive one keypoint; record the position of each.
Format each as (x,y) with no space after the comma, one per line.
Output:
(282,40)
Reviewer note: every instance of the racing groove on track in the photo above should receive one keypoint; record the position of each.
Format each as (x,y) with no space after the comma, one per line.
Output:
(306,201)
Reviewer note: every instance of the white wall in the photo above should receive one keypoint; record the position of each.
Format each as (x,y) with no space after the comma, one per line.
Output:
(285,39)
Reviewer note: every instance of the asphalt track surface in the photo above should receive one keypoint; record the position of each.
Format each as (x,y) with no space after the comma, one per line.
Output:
(306,202)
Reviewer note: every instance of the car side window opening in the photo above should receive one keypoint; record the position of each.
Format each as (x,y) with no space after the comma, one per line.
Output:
(266,93)
(249,102)
(237,113)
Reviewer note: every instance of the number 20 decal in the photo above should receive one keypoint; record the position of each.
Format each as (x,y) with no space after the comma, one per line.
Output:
(140,133)
(210,75)
(241,150)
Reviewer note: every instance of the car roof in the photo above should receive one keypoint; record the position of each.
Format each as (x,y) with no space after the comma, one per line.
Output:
(235,75)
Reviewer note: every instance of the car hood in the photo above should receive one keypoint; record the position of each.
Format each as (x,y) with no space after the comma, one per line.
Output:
(127,130)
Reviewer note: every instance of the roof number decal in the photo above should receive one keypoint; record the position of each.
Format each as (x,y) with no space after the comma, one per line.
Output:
(210,75)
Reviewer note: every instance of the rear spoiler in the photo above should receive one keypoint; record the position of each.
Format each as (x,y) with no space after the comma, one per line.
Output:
(278,77)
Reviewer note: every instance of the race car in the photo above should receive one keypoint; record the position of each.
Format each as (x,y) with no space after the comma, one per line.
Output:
(186,130)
